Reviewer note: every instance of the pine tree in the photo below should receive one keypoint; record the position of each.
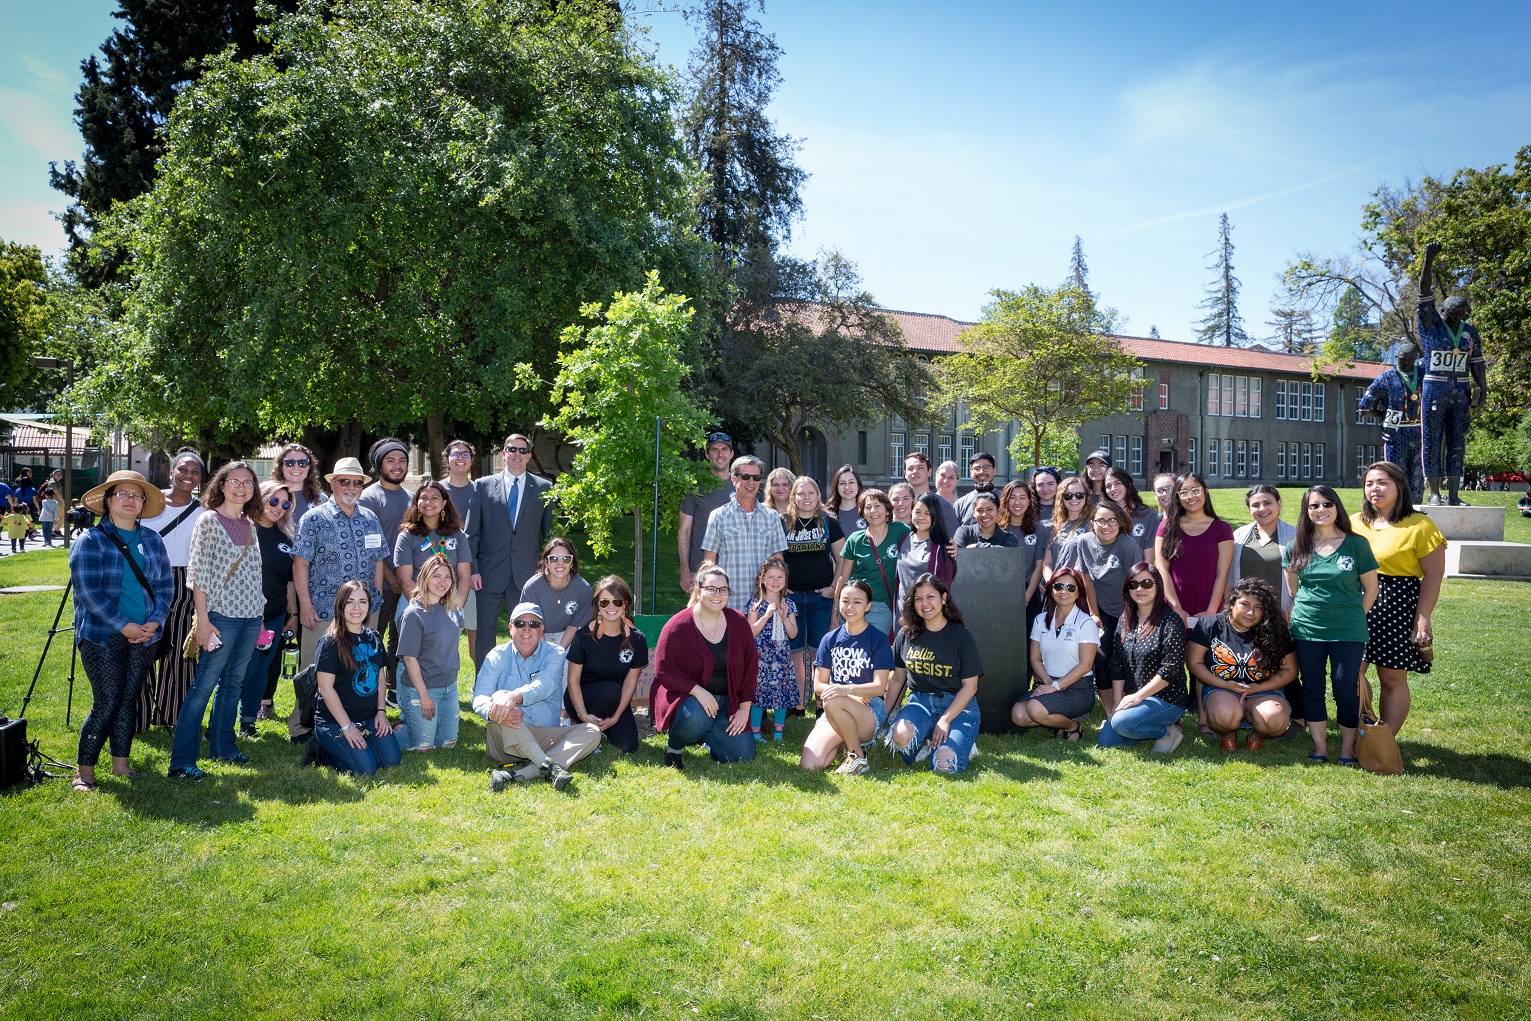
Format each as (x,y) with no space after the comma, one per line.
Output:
(1352,328)
(1079,273)
(125,99)
(1222,324)
(1294,331)
(1153,331)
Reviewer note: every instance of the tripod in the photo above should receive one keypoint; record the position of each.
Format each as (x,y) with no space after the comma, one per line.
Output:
(73,656)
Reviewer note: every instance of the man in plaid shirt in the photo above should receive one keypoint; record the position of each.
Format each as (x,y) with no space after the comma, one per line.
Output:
(741,534)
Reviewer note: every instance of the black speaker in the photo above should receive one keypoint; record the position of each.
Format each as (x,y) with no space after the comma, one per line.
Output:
(13,752)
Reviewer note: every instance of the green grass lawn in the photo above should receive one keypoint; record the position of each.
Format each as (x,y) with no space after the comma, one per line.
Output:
(1053,880)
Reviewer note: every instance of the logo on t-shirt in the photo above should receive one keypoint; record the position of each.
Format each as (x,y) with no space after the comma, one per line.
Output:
(1137,529)
(284,548)
(1031,540)
(1345,564)
(570,607)
(1112,562)
(892,551)
(847,663)
(625,656)
(364,681)
(1230,666)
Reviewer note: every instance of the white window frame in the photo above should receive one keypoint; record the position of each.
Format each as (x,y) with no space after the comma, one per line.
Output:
(1240,396)
(1164,396)
(1119,450)
(1318,461)
(1254,396)
(1281,399)
(896,451)
(1241,458)
(1135,452)
(1307,461)
(1227,459)
(1306,407)
(966,447)
(1191,455)
(1281,460)
(1318,402)
(1227,396)
(1254,459)
(1214,392)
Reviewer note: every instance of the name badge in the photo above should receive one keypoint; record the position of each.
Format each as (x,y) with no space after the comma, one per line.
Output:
(1454,362)
(373,541)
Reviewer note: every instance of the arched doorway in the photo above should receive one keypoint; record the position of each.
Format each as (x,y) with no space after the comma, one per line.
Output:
(815,452)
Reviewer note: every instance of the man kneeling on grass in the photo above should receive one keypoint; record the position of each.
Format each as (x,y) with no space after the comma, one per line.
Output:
(520,691)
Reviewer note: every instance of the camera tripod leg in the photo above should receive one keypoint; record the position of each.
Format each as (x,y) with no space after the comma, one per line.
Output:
(74,655)
(55,629)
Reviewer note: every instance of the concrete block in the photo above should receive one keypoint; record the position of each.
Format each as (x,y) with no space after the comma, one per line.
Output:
(1502,560)
(1484,524)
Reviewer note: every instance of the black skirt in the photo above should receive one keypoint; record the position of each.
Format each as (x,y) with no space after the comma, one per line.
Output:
(1390,625)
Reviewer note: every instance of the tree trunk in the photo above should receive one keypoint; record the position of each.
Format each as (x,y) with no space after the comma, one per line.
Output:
(435,441)
(637,559)
(1036,448)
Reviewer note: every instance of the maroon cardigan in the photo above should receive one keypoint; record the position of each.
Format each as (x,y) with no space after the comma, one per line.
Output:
(683,660)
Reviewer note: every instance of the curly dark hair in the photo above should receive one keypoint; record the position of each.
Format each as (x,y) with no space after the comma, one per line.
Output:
(911,622)
(1270,638)
(450,522)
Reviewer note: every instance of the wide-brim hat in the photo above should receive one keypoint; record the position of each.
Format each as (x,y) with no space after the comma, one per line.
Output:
(346,466)
(154,500)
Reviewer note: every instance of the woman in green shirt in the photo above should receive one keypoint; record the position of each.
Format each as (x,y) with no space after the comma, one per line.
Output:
(872,556)
(1331,575)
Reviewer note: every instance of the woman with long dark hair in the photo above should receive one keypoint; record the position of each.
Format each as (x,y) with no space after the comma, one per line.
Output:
(936,656)
(851,669)
(431,526)
(1063,644)
(1193,551)
(844,500)
(1331,574)
(605,661)
(350,720)
(1411,562)
(1147,667)
(274,532)
(296,468)
(1018,516)
(1102,558)
(1121,488)
(927,549)
(1244,659)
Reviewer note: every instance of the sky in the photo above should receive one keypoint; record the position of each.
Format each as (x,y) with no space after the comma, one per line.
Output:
(956,148)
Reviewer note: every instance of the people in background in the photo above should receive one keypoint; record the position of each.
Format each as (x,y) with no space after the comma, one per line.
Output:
(902,496)
(936,657)
(981,471)
(945,482)
(844,500)
(851,671)
(1063,646)
(1244,659)
(1121,489)
(776,494)
(696,509)
(1147,668)
(123,590)
(1411,563)
(1331,575)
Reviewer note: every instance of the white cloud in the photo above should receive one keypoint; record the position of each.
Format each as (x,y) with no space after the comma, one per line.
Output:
(40,120)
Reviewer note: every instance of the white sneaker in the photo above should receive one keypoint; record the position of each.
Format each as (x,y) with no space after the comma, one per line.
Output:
(1171,740)
(854,765)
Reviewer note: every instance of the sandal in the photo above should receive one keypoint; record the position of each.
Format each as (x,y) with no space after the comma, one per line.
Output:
(83,786)
(1070,735)
(1346,761)
(129,773)
(1315,757)
(1205,730)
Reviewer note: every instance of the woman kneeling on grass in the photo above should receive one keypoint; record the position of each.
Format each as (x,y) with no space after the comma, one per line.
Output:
(1064,641)
(938,657)
(605,661)
(1147,667)
(428,647)
(349,719)
(1243,658)
(850,676)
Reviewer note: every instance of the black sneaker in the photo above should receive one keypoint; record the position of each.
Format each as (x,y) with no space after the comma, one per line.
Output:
(558,776)
(499,779)
(247,729)
(675,759)
(186,773)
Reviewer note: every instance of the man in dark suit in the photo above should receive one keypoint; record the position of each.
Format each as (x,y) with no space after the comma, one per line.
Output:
(510,522)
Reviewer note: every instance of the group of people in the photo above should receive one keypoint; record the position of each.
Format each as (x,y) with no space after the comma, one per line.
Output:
(185,598)
(26,507)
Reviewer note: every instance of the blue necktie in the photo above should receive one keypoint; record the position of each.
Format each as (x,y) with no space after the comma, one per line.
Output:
(514,483)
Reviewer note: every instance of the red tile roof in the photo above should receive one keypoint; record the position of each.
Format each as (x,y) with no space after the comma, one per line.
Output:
(933,334)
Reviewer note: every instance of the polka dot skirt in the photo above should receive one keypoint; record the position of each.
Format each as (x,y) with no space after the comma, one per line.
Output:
(1390,625)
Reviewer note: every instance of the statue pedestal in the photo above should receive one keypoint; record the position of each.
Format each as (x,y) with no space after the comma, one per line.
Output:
(1499,561)
(1482,524)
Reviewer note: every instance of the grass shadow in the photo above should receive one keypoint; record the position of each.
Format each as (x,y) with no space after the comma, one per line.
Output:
(1492,769)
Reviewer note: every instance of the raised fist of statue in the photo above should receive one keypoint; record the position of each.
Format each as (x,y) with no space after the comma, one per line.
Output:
(1432,249)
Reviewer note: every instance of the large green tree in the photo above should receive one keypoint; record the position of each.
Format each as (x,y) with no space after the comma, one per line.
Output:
(370,226)
(1045,358)
(23,319)
(614,379)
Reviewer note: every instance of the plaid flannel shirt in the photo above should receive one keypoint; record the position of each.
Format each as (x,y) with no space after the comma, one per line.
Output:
(98,571)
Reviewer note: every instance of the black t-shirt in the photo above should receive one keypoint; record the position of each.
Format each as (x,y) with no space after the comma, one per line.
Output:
(1230,655)
(717,684)
(937,661)
(275,568)
(357,688)
(972,535)
(809,556)
(604,659)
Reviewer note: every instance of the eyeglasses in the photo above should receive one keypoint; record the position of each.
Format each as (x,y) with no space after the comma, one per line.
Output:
(1192,492)
(604,602)
(715,590)
(1065,586)
(518,450)
(746,478)
(1145,583)
(296,462)
(1320,505)
(1071,497)
(349,483)
(560,558)
(128,494)
(459,455)
(277,501)
(1107,523)
(239,483)
(526,625)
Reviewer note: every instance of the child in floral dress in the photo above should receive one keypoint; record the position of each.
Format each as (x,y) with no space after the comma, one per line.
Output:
(773,618)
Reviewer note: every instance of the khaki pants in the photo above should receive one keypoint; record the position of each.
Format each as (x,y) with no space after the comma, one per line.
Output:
(564,745)
(308,646)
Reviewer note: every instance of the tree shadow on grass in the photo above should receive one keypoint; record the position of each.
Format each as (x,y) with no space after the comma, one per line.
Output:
(1492,769)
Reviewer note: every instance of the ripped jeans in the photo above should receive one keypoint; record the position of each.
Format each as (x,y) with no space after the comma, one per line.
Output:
(921,711)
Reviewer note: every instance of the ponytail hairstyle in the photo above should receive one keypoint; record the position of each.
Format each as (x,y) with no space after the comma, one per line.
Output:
(709,569)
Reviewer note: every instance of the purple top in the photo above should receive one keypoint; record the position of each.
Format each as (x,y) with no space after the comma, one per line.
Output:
(1194,570)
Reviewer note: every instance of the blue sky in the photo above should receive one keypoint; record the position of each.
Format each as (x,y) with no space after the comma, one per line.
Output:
(959,147)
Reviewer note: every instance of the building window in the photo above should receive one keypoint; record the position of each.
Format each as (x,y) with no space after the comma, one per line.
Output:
(1214,402)
(1281,399)
(1254,459)
(1241,396)
(1318,461)
(1212,461)
(861,446)
(1135,395)
(1254,396)
(1137,456)
(895,453)
(922,444)
(1227,396)
(943,449)
(1307,402)
(1164,391)
(1227,459)
(1242,459)
(1318,402)
(1121,451)
(1190,457)
(1281,459)
(1307,460)
(1292,389)
(1361,461)
(1105,443)
(965,446)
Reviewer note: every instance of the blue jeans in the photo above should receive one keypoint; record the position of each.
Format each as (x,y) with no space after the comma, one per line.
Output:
(691,725)
(813,613)
(414,729)
(380,753)
(255,674)
(1343,661)
(922,710)
(1149,720)
(223,669)
(47,532)
(880,616)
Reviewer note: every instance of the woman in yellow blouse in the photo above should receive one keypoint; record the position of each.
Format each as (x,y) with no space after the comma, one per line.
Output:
(1411,561)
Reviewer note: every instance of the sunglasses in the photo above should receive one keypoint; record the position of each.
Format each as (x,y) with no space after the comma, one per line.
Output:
(277,501)
(560,558)
(518,450)
(1145,583)
(604,602)
(1320,505)
(746,478)
(526,625)
(1065,586)
(296,462)
(349,483)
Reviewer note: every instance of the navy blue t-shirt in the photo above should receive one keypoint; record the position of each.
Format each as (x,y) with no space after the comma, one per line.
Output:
(356,688)
(852,659)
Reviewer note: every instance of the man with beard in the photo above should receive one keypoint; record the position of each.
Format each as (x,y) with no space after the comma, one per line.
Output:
(388,499)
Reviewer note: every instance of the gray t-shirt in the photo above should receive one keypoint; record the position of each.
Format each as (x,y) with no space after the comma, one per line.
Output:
(1145,525)
(389,505)
(1107,567)
(430,635)
(560,610)
(415,550)
(700,507)
(463,500)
